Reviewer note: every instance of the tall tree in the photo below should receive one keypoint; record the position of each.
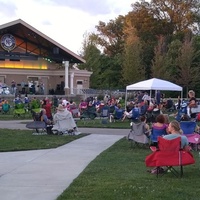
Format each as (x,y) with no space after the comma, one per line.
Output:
(188,70)
(159,63)
(180,15)
(110,36)
(93,58)
(171,60)
(133,68)
(170,18)
(110,39)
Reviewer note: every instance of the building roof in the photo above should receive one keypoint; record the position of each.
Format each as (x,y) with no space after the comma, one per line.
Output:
(36,44)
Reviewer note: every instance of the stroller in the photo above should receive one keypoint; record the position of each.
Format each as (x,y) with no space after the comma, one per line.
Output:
(64,123)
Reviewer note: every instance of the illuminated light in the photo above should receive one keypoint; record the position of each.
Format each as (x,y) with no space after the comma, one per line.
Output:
(18,66)
(25,64)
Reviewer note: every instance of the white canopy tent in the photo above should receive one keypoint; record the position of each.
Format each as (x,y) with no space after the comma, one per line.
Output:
(154,84)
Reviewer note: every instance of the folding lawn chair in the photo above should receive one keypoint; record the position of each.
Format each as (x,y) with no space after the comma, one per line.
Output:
(155,133)
(188,128)
(170,155)
(104,115)
(138,134)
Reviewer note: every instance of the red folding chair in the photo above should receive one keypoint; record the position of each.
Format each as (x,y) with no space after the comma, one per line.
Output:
(169,155)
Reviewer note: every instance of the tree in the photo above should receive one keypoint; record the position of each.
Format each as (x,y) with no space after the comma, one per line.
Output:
(171,60)
(110,39)
(92,55)
(110,36)
(188,70)
(178,15)
(133,68)
(171,19)
(159,63)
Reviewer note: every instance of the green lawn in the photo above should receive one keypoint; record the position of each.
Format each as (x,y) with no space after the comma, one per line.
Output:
(17,140)
(119,173)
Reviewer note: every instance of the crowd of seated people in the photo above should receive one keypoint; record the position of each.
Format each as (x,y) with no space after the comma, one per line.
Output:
(151,107)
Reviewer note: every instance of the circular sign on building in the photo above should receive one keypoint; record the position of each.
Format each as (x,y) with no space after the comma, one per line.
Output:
(8,42)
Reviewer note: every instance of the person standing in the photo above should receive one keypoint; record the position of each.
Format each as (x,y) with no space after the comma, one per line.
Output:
(13,87)
(41,88)
(23,86)
(158,97)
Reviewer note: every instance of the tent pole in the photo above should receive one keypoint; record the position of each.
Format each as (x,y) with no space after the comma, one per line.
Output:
(181,96)
(125,100)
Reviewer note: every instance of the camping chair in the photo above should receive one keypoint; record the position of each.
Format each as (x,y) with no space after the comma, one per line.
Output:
(170,155)
(194,112)
(188,128)
(138,134)
(155,133)
(75,112)
(104,115)
(169,106)
(118,114)
(19,110)
(181,112)
(135,114)
(89,114)
(5,108)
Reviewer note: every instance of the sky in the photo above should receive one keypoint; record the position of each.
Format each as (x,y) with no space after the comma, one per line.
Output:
(65,21)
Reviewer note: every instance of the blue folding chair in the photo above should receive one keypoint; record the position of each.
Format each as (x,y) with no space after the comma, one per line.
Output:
(188,127)
(155,133)
(135,114)
(118,115)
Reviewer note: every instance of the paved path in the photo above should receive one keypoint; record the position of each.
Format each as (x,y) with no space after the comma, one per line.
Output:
(45,174)
(18,124)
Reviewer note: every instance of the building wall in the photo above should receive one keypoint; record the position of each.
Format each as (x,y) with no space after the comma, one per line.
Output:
(52,75)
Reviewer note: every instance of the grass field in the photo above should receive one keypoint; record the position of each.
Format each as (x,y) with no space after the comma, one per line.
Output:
(119,173)
(17,140)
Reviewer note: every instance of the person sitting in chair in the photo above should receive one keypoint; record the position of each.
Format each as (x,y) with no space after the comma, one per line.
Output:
(44,117)
(118,113)
(175,131)
(63,121)
(5,107)
(169,105)
(159,128)
(147,128)
(192,103)
(133,114)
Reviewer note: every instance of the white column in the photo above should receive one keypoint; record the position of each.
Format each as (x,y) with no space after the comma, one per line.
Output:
(72,83)
(66,74)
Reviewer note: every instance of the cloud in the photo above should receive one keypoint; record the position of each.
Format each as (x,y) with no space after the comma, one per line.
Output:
(65,21)
(7,9)
(92,7)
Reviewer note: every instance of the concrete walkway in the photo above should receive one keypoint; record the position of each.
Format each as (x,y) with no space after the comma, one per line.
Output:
(45,174)
(21,125)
